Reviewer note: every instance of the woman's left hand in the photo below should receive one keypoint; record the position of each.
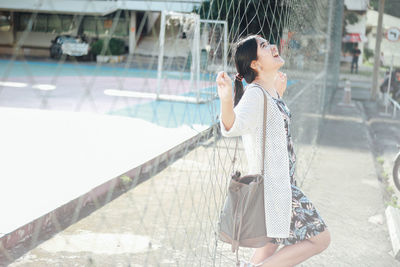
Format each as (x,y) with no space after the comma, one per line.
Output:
(280,83)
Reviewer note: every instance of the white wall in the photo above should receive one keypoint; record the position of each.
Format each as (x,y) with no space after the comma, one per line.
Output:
(34,39)
(389,48)
(37,39)
(6,38)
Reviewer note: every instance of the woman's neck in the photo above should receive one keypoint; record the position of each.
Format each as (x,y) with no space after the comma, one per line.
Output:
(267,81)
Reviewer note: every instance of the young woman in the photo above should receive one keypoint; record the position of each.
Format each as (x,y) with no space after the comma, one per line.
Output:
(291,219)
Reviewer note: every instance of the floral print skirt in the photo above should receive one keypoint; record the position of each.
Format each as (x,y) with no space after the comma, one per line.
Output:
(306,220)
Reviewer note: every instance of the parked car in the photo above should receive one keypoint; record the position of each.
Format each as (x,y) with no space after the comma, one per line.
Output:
(68,45)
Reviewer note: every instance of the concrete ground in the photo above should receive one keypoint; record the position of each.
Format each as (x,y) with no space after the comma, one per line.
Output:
(344,185)
(385,132)
(151,225)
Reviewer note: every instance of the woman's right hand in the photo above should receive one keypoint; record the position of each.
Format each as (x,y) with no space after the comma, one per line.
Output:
(224,83)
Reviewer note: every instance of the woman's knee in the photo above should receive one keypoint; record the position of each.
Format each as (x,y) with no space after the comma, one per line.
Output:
(321,241)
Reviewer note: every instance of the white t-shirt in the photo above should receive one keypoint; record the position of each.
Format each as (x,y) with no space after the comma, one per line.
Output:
(277,188)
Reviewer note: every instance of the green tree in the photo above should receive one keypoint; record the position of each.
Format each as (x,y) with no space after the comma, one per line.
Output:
(349,18)
(248,17)
(114,47)
(392,7)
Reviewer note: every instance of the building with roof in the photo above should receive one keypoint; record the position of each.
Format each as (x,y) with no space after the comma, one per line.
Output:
(31,25)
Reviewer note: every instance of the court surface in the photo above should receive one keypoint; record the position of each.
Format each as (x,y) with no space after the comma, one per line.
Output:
(62,135)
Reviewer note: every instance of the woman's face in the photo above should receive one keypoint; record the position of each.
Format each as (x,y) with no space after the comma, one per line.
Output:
(268,56)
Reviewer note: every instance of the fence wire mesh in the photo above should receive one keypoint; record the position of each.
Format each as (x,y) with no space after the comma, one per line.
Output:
(111,153)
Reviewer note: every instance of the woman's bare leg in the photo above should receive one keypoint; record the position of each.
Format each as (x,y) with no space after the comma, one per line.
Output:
(291,255)
(264,252)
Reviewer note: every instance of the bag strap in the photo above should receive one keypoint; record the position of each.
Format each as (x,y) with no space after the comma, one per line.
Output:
(264,129)
(264,133)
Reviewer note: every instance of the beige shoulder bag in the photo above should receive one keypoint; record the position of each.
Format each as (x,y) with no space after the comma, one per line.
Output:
(242,219)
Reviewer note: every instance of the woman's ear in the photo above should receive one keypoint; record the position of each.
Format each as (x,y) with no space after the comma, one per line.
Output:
(254,65)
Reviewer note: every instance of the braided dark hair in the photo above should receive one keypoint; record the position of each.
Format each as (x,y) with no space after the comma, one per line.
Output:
(245,52)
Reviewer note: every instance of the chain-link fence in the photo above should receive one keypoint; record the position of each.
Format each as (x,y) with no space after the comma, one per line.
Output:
(111,153)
